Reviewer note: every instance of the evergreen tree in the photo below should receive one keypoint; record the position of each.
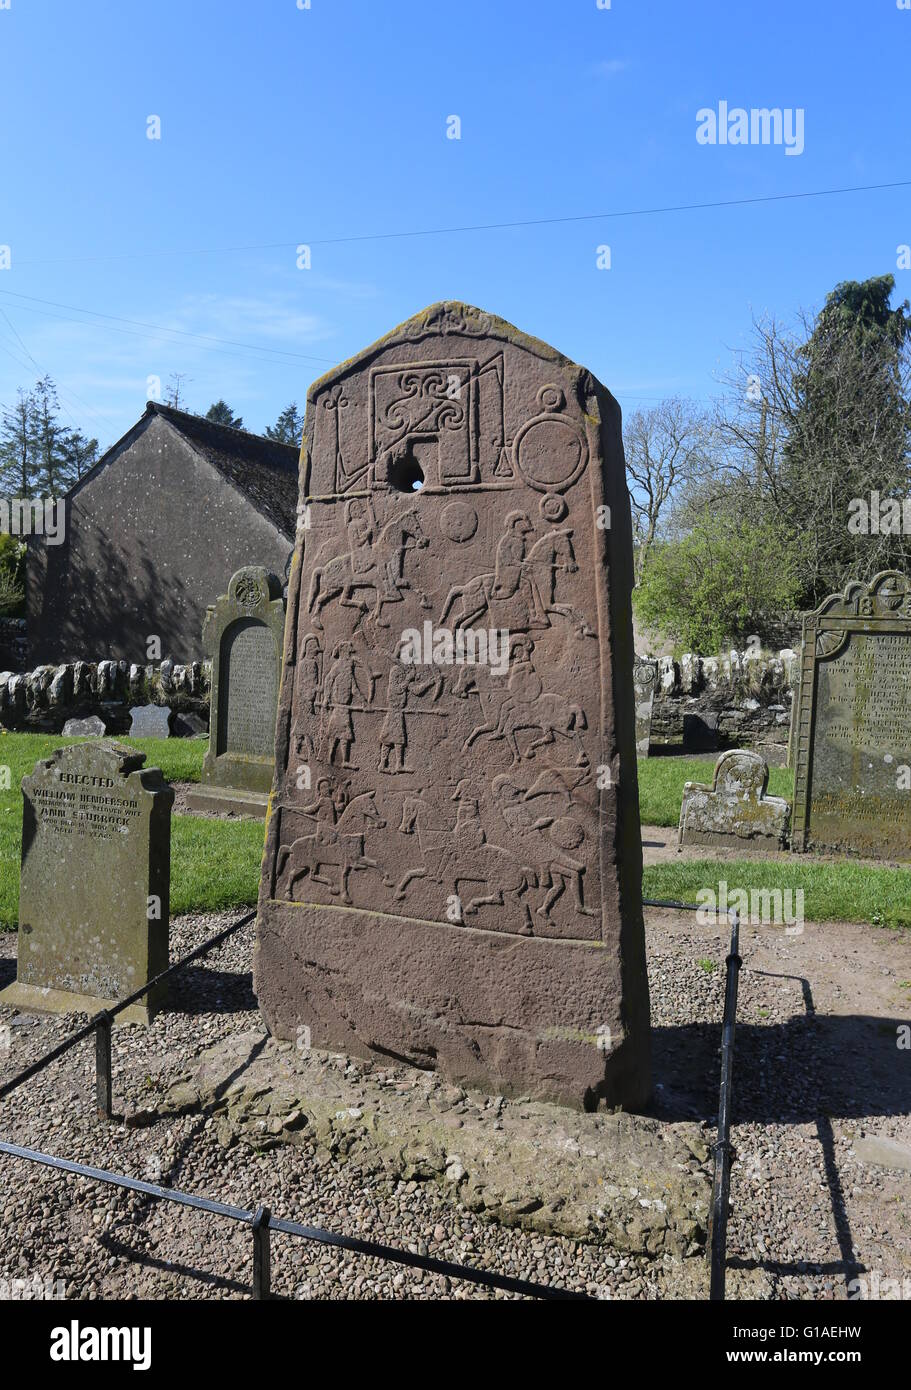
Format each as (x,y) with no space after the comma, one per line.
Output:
(289,427)
(17,447)
(220,413)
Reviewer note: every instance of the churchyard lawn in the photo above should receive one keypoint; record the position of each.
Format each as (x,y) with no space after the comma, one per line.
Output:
(661,782)
(215,863)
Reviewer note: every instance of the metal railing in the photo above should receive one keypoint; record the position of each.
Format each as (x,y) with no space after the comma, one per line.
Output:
(722,1150)
(262,1222)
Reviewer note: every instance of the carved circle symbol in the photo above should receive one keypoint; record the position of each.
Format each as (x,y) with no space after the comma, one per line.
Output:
(552,507)
(458,522)
(551,397)
(550,452)
(567,833)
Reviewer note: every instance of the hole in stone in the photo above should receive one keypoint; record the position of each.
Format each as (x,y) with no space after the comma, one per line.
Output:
(406,474)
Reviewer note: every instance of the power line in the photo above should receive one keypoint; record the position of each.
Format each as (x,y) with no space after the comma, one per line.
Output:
(480,226)
(63,391)
(157,328)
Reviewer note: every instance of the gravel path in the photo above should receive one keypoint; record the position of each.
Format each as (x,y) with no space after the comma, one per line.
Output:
(817,1065)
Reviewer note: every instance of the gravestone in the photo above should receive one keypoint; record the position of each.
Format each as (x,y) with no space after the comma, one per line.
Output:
(792,722)
(853,736)
(94,883)
(243,633)
(734,811)
(645,679)
(150,721)
(452,872)
(93,727)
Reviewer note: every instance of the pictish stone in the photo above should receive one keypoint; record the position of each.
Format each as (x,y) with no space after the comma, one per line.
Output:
(94,883)
(734,810)
(452,872)
(243,631)
(852,755)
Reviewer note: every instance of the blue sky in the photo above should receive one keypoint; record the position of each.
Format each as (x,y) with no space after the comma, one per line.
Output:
(282,126)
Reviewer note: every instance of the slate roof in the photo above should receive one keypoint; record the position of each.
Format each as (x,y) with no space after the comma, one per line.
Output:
(264,470)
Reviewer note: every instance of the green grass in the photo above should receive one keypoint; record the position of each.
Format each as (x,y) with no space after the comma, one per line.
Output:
(841,892)
(210,868)
(215,864)
(661,786)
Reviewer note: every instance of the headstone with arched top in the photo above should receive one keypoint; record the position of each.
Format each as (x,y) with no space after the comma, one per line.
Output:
(243,632)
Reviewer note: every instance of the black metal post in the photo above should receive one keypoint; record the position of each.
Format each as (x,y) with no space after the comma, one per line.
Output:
(721,1183)
(103,1084)
(262,1255)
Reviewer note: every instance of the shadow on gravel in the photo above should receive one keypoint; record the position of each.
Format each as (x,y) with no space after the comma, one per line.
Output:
(812,1069)
(814,1065)
(197,989)
(215,1281)
(7,973)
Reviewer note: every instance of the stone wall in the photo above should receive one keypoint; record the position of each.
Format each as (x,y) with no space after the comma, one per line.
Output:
(734,701)
(43,700)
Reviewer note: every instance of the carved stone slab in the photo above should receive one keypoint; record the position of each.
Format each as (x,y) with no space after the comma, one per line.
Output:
(645,681)
(452,872)
(853,734)
(734,810)
(243,633)
(95,881)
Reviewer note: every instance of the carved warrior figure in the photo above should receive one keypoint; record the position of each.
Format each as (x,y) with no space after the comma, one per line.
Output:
(466,895)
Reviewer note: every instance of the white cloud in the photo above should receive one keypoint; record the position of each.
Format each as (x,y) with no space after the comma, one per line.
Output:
(610,67)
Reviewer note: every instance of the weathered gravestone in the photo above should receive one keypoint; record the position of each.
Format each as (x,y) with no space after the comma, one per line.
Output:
(243,632)
(853,735)
(94,884)
(150,721)
(734,810)
(93,727)
(645,679)
(452,873)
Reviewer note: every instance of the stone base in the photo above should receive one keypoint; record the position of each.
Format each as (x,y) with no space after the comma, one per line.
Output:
(533,1016)
(228,800)
(32,999)
(623,1181)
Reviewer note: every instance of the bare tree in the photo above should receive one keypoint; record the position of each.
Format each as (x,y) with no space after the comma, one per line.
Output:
(667,448)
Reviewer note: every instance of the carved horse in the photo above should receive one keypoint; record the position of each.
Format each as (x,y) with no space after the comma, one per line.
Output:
(329,847)
(482,864)
(550,715)
(384,574)
(525,609)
